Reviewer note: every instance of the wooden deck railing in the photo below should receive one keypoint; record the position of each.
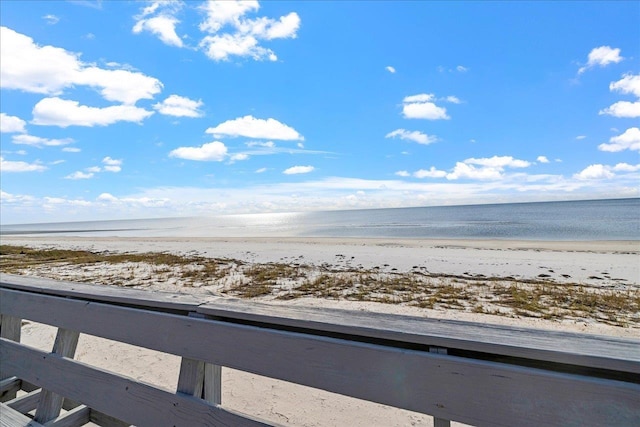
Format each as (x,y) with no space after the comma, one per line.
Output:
(477,374)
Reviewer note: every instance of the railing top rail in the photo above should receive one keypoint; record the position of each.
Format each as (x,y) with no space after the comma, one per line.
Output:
(102,293)
(582,350)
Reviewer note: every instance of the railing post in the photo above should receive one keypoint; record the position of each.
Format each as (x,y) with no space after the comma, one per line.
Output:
(200,379)
(10,329)
(51,403)
(439,422)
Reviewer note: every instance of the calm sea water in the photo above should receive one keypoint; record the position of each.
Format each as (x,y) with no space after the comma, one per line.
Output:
(574,220)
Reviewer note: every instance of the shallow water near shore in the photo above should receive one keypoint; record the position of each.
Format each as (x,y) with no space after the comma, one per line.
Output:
(617,219)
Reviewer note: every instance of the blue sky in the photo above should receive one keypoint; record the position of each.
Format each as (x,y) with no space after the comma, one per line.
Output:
(119,109)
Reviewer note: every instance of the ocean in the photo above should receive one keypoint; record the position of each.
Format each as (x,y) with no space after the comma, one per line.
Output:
(617,219)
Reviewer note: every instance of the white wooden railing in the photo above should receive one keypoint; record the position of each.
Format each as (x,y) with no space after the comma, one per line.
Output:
(473,373)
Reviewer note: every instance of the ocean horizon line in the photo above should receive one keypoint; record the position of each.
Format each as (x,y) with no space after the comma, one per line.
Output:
(601,219)
(314,211)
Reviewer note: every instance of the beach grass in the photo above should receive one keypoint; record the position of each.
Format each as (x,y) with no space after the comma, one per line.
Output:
(504,296)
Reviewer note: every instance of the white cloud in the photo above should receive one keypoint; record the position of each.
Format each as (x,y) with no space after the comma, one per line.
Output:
(221,47)
(162,26)
(244,35)
(63,113)
(390,69)
(453,99)
(26,66)
(421,106)
(119,65)
(108,200)
(179,106)
(424,110)
(51,19)
(107,197)
(49,70)
(580,137)
(250,127)
(238,157)
(14,198)
(499,162)
(111,162)
(596,171)
(120,85)
(491,167)
(629,140)
(464,170)
(266,28)
(261,170)
(488,168)
(285,28)
(294,170)
(415,136)
(629,84)
(112,165)
(431,173)
(36,141)
(11,166)
(256,148)
(625,167)
(214,151)
(93,4)
(80,175)
(623,109)
(71,150)
(11,124)
(542,159)
(600,171)
(458,68)
(403,174)
(94,169)
(421,97)
(601,56)
(221,13)
(268,144)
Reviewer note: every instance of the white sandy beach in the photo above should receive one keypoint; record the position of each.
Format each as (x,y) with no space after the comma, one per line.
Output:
(595,263)
(611,265)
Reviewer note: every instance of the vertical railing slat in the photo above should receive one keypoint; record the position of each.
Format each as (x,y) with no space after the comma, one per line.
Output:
(439,422)
(51,403)
(10,329)
(213,384)
(191,377)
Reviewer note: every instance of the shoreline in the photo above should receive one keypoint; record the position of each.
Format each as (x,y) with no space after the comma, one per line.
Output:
(480,243)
